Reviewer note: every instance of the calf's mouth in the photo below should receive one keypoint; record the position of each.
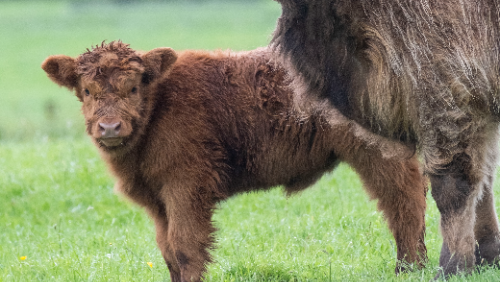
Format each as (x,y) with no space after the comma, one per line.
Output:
(111,142)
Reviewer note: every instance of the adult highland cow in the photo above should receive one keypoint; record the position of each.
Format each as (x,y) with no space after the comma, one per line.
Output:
(184,131)
(423,72)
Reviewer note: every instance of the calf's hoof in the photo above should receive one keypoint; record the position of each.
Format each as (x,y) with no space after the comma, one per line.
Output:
(403,267)
(416,263)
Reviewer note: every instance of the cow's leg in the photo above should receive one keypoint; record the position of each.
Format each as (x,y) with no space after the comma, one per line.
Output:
(455,197)
(189,234)
(458,188)
(390,173)
(486,229)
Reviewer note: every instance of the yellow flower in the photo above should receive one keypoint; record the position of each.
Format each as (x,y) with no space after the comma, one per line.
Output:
(150,264)
(22,258)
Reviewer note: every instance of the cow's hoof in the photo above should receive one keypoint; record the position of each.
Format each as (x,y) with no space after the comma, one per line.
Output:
(488,253)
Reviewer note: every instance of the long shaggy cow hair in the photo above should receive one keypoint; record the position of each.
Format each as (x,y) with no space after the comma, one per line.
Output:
(423,72)
(182,131)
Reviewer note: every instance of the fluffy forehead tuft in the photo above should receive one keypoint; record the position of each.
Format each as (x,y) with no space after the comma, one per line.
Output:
(108,58)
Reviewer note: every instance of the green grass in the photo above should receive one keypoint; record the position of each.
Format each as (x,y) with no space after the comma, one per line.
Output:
(59,210)
(57,205)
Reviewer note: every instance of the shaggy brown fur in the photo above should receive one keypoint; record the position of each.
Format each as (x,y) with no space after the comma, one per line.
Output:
(184,131)
(424,72)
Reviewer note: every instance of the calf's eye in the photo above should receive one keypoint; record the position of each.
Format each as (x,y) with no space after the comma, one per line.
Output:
(134,89)
(87,92)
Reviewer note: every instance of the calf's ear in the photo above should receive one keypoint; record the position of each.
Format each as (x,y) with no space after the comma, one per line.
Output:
(62,70)
(158,62)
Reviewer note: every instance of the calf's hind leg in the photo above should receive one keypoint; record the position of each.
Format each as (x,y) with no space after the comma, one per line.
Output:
(391,173)
(401,189)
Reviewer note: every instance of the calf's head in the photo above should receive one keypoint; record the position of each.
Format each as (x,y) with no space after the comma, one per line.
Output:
(114,84)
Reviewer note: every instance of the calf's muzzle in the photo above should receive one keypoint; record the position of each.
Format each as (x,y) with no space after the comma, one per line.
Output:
(109,130)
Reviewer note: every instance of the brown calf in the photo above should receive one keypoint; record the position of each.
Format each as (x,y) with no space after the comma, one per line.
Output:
(184,131)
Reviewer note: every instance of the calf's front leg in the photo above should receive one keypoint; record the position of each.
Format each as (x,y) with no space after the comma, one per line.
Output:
(161,226)
(185,234)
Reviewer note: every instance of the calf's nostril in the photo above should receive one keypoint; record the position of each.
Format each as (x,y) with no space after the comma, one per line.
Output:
(109,130)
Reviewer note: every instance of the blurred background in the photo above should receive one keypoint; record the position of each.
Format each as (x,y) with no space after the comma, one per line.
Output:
(32,108)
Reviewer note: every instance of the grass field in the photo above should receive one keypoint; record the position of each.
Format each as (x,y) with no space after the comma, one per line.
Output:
(60,219)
